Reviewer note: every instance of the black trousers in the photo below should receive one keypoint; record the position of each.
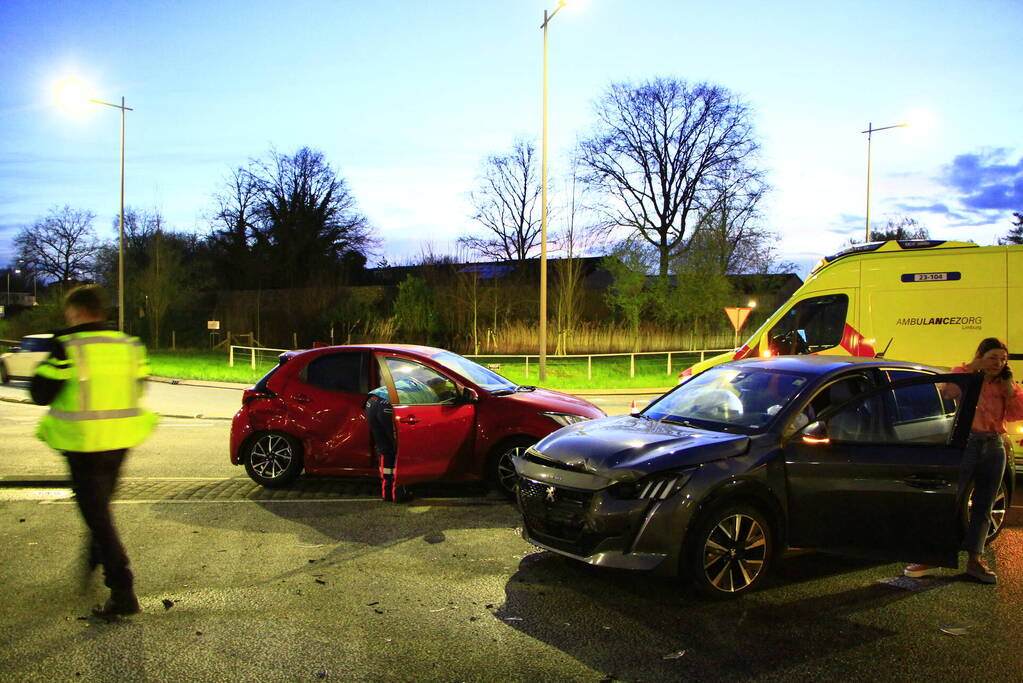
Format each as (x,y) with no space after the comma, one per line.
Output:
(94,479)
(380,416)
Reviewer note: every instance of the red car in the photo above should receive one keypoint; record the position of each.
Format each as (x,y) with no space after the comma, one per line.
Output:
(456,420)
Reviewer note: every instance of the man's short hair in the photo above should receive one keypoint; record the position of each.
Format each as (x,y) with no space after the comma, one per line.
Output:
(90,299)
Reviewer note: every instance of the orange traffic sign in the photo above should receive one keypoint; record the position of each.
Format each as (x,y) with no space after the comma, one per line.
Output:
(738,315)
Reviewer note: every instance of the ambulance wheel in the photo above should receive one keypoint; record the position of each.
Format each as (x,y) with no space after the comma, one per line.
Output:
(273,459)
(500,471)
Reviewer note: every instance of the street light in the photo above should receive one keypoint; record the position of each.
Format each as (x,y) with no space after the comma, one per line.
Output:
(870,131)
(8,299)
(543,203)
(70,94)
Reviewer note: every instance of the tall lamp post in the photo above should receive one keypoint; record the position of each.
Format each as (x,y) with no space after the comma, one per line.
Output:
(543,203)
(120,221)
(870,132)
(72,94)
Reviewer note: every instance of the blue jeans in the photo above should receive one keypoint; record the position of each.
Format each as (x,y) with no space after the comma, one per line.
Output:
(984,464)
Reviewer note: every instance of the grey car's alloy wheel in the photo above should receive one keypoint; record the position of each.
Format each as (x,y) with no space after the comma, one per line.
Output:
(997,512)
(500,470)
(730,550)
(273,459)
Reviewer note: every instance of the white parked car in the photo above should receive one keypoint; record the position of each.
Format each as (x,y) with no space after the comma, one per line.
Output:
(21,362)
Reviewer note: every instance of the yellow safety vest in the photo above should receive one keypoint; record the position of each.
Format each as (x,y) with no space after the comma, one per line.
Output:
(97,407)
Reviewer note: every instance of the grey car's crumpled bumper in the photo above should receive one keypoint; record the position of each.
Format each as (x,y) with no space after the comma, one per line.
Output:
(575,514)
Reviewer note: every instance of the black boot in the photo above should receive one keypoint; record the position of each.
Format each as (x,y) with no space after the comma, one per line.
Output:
(387,488)
(402,494)
(120,603)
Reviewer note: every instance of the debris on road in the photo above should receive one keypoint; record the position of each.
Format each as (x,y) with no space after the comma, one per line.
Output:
(675,655)
(955,629)
(167,604)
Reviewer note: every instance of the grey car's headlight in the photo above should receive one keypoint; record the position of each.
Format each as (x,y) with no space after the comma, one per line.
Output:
(564,419)
(655,487)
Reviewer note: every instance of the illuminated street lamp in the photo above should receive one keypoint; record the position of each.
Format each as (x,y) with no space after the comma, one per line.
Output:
(8,299)
(71,94)
(870,131)
(543,203)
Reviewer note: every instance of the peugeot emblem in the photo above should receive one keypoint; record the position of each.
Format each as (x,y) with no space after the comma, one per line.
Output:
(550,494)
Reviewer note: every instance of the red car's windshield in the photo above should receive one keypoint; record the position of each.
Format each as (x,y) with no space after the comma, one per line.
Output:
(484,378)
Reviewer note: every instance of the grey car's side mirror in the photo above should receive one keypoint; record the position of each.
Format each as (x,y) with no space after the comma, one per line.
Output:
(815,434)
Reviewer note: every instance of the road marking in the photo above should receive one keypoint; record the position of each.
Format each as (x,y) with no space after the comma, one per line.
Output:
(155,501)
(162,425)
(42,495)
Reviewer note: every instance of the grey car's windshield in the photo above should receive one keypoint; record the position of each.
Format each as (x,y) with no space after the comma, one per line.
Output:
(745,398)
(481,376)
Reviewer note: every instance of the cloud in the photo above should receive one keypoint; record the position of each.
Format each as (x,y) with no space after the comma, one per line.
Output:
(986,181)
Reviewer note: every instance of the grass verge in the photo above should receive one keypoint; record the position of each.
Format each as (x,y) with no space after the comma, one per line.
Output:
(567,374)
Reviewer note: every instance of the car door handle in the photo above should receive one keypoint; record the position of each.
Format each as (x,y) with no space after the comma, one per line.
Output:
(924,482)
(408,419)
(301,398)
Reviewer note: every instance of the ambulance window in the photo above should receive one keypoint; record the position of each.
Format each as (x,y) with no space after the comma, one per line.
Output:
(811,325)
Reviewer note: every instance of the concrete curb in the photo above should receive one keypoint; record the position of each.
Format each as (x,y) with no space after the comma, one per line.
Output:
(200,383)
(197,416)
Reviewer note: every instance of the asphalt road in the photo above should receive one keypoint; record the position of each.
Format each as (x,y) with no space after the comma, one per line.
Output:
(323,582)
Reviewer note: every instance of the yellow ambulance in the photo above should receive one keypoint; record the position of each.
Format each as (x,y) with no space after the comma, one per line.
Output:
(926,301)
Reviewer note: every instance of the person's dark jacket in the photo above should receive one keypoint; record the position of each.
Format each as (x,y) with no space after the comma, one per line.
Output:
(44,389)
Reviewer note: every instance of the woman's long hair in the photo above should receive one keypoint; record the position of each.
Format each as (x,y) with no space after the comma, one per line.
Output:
(991,343)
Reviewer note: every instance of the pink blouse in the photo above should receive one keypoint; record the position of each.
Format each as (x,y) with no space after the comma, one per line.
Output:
(993,408)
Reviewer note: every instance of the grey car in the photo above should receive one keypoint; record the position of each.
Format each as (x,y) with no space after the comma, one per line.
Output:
(716,477)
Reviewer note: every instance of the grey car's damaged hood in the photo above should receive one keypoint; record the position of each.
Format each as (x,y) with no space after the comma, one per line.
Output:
(624,447)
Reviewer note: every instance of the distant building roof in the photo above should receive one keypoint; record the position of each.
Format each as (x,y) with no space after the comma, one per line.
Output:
(488,271)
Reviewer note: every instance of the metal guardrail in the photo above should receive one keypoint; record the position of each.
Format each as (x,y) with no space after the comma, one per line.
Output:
(253,351)
(590,356)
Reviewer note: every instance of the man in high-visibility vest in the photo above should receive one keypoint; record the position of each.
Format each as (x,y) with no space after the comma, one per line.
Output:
(92,381)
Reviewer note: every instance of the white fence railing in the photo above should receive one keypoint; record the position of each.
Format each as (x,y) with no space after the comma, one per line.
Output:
(255,351)
(590,356)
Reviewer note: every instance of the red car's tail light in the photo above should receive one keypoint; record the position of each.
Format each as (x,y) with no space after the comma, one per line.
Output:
(249,395)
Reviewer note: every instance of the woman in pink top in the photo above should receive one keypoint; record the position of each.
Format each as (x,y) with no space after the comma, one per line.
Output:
(1001,401)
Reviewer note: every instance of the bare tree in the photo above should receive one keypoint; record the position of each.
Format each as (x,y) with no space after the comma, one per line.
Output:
(507,200)
(897,228)
(1015,235)
(308,216)
(729,232)
(572,241)
(234,231)
(164,280)
(62,245)
(662,150)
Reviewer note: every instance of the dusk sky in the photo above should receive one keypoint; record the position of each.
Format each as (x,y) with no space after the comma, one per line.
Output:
(407,98)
